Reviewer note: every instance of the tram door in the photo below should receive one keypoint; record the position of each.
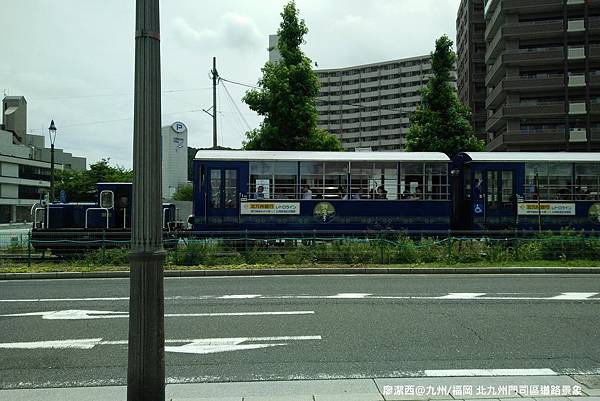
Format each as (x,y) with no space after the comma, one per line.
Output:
(222,201)
(499,197)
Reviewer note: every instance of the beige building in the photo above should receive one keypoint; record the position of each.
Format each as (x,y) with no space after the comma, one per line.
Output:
(369,106)
(25,163)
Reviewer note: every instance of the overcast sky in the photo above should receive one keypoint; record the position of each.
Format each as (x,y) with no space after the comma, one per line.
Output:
(73,59)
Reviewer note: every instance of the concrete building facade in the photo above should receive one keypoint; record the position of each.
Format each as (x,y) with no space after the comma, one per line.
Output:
(174,158)
(25,163)
(543,75)
(471,69)
(369,106)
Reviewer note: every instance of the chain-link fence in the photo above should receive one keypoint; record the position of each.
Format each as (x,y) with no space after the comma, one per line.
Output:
(309,248)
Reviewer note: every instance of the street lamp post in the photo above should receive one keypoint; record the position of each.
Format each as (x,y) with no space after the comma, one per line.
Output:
(52,135)
(146,364)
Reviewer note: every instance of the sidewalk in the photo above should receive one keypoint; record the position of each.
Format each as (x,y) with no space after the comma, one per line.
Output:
(504,388)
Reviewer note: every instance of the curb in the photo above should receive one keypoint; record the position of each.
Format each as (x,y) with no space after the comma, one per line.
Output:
(309,271)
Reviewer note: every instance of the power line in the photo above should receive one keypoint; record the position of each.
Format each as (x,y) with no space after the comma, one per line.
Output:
(239,83)
(235,106)
(115,94)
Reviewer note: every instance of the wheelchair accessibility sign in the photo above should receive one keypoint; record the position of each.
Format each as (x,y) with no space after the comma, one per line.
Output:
(478,208)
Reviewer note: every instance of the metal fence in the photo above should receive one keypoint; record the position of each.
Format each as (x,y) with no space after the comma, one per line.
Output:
(312,247)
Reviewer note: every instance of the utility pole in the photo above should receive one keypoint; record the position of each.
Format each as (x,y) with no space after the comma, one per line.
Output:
(215,78)
(146,362)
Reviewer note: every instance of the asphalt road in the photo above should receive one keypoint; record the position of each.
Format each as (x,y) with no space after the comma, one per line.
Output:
(303,327)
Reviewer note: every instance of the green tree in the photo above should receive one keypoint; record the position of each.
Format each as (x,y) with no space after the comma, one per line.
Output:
(184,193)
(80,186)
(286,96)
(441,122)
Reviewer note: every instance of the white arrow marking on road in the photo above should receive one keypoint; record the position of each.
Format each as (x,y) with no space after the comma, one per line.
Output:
(575,295)
(249,296)
(462,295)
(213,346)
(74,314)
(350,295)
(194,346)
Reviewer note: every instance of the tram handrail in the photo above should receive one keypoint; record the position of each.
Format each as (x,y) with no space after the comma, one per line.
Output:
(97,208)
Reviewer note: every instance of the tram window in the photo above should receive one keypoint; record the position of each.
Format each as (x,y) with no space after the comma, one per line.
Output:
(230,189)
(532,189)
(555,181)
(492,189)
(261,175)
(285,180)
(560,181)
(386,180)
(360,177)
(215,189)
(311,174)
(436,178)
(411,181)
(587,186)
(507,189)
(335,180)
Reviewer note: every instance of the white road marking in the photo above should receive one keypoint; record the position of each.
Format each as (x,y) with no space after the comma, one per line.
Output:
(565,296)
(191,346)
(350,295)
(575,295)
(74,314)
(87,343)
(489,372)
(462,295)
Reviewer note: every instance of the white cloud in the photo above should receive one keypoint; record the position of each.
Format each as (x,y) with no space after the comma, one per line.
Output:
(233,31)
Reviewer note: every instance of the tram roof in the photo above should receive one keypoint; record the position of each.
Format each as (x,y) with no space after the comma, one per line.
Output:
(260,155)
(532,157)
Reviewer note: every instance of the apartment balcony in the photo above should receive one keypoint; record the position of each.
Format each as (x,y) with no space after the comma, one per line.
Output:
(542,83)
(533,30)
(496,121)
(495,73)
(577,81)
(594,23)
(539,56)
(496,97)
(527,139)
(595,81)
(495,47)
(494,20)
(554,109)
(594,53)
(595,108)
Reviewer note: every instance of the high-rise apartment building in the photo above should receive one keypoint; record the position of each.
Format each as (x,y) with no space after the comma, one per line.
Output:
(369,106)
(543,74)
(470,49)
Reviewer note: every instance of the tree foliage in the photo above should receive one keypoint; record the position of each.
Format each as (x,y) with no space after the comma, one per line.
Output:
(286,96)
(442,123)
(80,186)
(184,193)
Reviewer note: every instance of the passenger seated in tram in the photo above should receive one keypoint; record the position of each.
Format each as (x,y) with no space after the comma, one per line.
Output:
(341,193)
(381,193)
(260,192)
(306,193)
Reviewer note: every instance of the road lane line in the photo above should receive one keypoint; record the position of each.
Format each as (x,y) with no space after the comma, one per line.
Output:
(489,372)
(92,314)
(565,296)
